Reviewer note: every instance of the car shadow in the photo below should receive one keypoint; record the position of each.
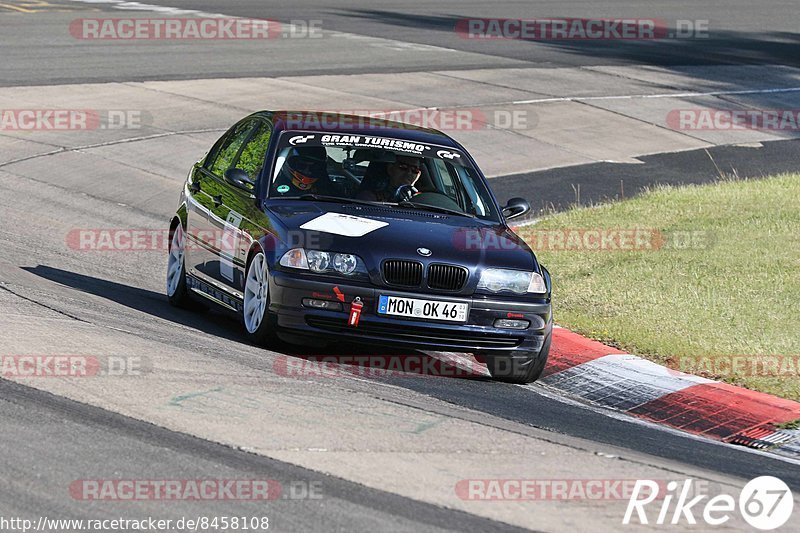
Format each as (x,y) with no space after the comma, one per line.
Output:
(350,360)
(142,300)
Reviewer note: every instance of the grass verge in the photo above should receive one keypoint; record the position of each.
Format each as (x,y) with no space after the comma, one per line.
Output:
(704,279)
(794,424)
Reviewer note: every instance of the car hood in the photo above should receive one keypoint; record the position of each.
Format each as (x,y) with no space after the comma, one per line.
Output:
(449,238)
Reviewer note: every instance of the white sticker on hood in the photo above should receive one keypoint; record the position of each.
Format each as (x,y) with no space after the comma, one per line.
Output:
(345,225)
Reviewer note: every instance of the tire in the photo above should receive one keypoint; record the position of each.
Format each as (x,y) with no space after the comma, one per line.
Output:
(516,368)
(259,324)
(177,292)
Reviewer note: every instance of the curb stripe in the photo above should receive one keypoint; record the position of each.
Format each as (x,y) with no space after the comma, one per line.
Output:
(569,349)
(612,378)
(621,381)
(718,410)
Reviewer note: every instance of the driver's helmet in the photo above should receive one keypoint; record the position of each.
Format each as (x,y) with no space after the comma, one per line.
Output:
(304,167)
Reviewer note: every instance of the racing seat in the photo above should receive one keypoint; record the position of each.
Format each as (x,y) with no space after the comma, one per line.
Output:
(425,183)
(375,179)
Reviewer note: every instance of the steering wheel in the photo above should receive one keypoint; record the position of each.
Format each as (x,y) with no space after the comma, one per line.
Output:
(404,193)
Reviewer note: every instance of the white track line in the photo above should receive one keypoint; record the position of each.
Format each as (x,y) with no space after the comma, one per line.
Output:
(138,6)
(661,95)
(385,43)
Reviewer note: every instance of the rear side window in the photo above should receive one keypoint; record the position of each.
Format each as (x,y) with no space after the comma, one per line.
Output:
(225,156)
(255,151)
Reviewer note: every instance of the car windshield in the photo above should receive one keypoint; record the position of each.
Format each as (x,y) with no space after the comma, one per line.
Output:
(366,168)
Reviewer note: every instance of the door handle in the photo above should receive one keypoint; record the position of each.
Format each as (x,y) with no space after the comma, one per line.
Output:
(194,187)
(217,200)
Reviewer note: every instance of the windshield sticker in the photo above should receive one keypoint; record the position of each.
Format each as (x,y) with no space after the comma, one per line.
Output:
(365,141)
(300,139)
(345,225)
(444,154)
(283,189)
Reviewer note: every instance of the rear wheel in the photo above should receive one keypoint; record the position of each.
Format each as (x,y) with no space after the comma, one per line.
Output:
(516,367)
(258,323)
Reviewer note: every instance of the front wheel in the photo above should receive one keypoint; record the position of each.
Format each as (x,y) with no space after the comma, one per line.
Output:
(516,367)
(177,292)
(258,323)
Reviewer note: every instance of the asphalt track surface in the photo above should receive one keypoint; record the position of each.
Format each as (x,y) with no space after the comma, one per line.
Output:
(83,434)
(555,189)
(740,32)
(50,440)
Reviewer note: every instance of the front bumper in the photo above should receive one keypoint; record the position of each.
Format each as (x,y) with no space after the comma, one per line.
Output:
(477,335)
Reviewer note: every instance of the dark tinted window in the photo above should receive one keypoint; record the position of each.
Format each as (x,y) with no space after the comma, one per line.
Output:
(252,158)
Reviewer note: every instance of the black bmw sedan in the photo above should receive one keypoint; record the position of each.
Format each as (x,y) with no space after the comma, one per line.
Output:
(331,228)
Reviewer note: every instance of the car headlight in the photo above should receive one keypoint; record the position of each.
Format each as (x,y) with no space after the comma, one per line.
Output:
(318,261)
(518,281)
(321,262)
(345,263)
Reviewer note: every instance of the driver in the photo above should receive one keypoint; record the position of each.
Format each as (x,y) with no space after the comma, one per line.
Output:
(304,171)
(405,170)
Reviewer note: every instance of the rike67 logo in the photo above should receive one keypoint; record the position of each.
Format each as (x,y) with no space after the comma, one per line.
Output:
(765,503)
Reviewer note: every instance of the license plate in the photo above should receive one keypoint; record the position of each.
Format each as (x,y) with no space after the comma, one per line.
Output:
(427,309)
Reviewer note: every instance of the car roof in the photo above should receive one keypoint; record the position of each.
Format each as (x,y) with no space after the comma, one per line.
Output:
(354,124)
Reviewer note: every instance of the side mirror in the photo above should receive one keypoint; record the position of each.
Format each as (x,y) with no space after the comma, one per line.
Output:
(516,207)
(239,178)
